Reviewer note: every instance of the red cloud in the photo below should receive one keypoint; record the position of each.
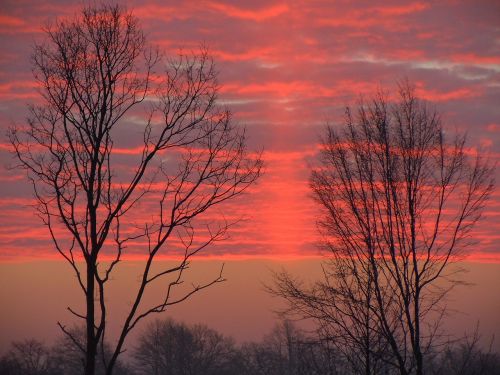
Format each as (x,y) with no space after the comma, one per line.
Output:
(471,58)
(440,96)
(10,21)
(401,10)
(255,53)
(247,14)
(493,127)
(286,69)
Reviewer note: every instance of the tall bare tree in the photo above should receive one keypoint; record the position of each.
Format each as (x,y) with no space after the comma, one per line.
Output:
(399,199)
(96,73)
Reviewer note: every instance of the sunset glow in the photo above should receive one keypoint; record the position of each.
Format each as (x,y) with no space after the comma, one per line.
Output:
(286,69)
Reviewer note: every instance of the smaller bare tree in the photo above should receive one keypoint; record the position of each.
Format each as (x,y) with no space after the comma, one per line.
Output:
(341,308)
(30,357)
(399,201)
(466,356)
(287,350)
(167,347)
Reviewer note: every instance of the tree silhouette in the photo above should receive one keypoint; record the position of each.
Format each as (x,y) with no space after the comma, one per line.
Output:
(96,73)
(399,201)
(167,347)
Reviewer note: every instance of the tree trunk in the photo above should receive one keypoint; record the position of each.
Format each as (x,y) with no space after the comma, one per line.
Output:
(91,344)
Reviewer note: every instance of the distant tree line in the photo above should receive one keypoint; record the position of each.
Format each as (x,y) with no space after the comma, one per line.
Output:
(173,348)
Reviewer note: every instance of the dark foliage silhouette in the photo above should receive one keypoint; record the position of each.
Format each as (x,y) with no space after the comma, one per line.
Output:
(169,348)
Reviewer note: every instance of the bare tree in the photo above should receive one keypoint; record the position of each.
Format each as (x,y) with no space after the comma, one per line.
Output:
(288,350)
(466,357)
(167,347)
(70,359)
(399,200)
(30,357)
(96,73)
(340,305)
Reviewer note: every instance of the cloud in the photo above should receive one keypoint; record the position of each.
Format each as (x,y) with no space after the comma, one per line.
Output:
(400,10)
(257,15)
(11,21)
(439,96)
(286,69)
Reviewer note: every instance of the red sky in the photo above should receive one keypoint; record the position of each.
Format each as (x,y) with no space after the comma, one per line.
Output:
(286,68)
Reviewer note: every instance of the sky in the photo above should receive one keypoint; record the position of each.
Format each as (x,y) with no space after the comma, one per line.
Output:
(285,69)
(40,291)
